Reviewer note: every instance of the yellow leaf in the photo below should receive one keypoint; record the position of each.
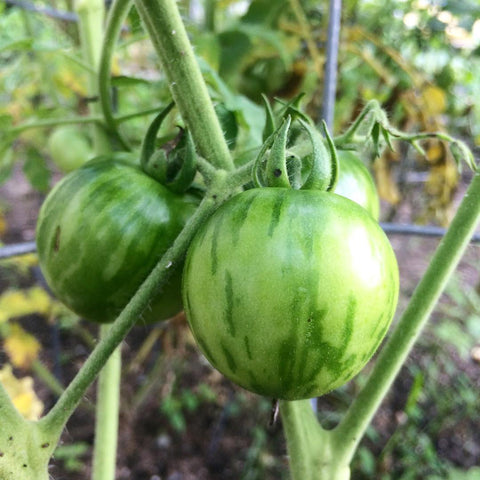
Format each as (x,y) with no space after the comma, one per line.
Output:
(387,189)
(3,224)
(21,347)
(16,303)
(22,394)
(434,99)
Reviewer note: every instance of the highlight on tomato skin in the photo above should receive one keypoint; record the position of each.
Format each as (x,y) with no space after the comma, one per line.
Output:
(290,292)
(100,232)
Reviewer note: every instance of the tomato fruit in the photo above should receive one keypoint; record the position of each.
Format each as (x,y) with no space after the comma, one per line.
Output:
(100,232)
(69,148)
(356,183)
(290,292)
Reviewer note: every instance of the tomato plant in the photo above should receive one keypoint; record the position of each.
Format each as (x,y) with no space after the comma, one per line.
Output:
(69,148)
(100,232)
(290,292)
(356,182)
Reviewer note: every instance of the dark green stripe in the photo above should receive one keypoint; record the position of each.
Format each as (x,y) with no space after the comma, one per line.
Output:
(228,316)
(276,211)
(217,225)
(230,360)
(349,321)
(247,347)
(239,215)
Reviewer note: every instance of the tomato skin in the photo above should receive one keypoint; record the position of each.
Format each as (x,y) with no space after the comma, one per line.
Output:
(100,232)
(69,148)
(290,292)
(356,183)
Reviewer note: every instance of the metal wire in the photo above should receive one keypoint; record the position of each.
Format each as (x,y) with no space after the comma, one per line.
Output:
(331,62)
(17,249)
(48,11)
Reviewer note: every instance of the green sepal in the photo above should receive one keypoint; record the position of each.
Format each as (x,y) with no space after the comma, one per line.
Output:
(270,122)
(320,175)
(334,163)
(292,108)
(460,152)
(174,164)
(176,169)
(149,141)
(276,172)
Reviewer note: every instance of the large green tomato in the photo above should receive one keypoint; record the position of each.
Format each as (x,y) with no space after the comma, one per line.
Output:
(356,183)
(290,292)
(69,148)
(100,232)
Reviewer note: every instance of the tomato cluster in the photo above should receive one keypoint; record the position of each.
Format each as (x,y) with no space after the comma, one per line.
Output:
(287,292)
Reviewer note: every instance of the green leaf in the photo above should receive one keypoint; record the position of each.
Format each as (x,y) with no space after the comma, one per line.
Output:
(7,160)
(36,171)
(461,153)
(21,44)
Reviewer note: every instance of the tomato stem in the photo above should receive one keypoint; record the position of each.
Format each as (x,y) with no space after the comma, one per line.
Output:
(116,16)
(106,418)
(91,14)
(188,88)
(312,451)
(411,323)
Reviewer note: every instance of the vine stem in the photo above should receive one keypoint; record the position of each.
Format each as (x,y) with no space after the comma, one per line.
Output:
(106,418)
(116,16)
(167,33)
(53,122)
(91,14)
(414,318)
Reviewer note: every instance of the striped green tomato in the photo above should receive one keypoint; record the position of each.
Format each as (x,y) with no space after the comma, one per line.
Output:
(356,183)
(100,232)
(290,292)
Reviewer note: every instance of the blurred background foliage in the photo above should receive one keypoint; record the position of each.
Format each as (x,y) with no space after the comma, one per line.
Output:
(419,58)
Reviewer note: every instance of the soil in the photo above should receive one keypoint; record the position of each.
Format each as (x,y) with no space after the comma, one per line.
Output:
(195,425)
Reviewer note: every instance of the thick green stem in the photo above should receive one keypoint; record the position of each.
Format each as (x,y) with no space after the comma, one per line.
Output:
(66,404)
(116,16)
(312,452)
(106,419)
(407,330)
(91,15)
(168,35)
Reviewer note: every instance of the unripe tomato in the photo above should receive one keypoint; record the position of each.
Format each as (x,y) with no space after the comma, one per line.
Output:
(356,183)
(100,232)
(69,148)
(290,292)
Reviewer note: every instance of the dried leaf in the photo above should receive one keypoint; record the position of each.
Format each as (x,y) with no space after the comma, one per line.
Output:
(434,99)
(22,393)
(16,303)
(21,347)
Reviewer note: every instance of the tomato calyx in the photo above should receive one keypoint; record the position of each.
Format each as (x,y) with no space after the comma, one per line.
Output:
(174,163)
(277,165)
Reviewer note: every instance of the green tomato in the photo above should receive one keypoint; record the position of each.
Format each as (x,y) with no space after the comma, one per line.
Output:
(356,183)
(69,148)
(290,292)
(101,231)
